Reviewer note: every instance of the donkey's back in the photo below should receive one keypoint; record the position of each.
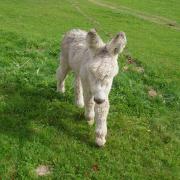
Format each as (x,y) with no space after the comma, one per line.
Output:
(73,48)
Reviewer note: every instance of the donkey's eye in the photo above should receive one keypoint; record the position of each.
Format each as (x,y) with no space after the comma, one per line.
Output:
(106,77)
(106,80)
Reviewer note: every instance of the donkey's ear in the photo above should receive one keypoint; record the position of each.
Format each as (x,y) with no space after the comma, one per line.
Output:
(93,40)
(117,44)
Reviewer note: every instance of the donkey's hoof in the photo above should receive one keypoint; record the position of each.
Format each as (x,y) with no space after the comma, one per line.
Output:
(100,141)
(90,122)
(60,90)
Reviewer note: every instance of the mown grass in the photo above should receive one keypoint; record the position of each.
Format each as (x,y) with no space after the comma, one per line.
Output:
(158,8)
(41,127)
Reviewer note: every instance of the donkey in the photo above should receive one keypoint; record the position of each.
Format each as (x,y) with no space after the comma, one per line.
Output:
(95,65)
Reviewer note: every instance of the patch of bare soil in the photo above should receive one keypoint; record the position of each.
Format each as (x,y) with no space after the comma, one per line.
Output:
(135,65)
(152,93)
(42,170)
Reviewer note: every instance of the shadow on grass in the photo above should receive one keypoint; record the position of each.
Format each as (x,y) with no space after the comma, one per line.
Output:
(39,104)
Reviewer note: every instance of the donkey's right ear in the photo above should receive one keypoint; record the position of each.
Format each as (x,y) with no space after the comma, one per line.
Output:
(93,40)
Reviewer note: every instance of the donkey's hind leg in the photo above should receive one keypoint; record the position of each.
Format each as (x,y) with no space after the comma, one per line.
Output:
(79,100)
(61,73)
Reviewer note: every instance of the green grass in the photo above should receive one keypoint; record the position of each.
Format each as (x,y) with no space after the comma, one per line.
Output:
(41,127)
(167,9)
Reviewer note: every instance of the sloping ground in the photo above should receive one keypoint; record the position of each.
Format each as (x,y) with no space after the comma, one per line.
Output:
(139,14)
(163,9)
(41,129)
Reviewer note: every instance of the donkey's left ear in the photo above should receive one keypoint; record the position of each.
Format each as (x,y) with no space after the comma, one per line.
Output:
(117,44)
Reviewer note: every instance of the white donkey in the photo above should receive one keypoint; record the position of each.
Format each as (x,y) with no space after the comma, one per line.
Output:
(95,65)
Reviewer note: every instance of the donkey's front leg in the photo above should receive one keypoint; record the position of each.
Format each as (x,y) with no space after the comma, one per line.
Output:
(89,107)
(79,92)
(101,112)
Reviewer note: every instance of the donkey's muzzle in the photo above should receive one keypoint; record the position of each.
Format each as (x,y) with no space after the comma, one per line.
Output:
(99,101)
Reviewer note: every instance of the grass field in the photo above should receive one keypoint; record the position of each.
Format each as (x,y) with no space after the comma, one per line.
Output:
(41,127)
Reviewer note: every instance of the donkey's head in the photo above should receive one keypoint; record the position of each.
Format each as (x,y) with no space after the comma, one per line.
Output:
(103,64)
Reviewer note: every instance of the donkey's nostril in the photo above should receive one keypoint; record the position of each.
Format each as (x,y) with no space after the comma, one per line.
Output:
(99,101)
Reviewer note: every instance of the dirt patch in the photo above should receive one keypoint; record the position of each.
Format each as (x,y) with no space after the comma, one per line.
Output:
(42,170)
(131,60)
(133,65)
(95,167)
(152,93)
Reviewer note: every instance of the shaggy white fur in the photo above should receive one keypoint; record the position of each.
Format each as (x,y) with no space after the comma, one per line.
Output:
(95,65)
